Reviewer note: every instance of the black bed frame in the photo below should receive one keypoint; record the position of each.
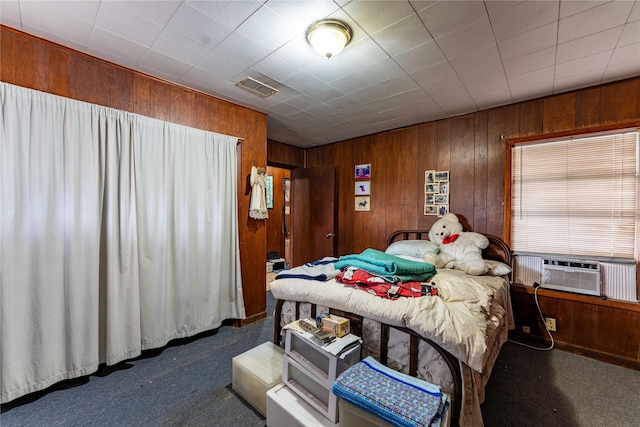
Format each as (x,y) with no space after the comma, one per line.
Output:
(497,250)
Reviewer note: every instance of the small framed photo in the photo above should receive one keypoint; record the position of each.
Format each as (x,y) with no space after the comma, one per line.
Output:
(363,188)
(444,188)
(442,176)
(442,199)
(432,188)
(430,199)
(363,203)
(269,193)
(363,171)
(443,210)
(429,177)
(430,210)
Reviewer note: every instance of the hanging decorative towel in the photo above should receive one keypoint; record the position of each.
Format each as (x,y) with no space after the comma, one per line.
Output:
(258,205)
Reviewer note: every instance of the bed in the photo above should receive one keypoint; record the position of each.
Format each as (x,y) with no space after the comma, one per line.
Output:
(451,339)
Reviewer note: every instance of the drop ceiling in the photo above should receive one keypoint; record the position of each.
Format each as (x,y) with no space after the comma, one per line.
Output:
(409,62)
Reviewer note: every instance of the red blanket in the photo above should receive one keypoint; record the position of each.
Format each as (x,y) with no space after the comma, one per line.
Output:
(376,285)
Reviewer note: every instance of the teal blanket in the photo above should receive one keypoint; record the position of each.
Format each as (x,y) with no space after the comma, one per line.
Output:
(390,267)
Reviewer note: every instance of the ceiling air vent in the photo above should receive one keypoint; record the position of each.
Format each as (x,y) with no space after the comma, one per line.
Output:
(255,86)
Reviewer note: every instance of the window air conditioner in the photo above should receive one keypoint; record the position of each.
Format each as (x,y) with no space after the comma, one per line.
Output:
(571,275)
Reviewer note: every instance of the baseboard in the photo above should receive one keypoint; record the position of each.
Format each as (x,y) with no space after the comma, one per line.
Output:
(252,319)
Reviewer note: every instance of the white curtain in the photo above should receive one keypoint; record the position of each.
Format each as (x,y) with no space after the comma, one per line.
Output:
(118,233)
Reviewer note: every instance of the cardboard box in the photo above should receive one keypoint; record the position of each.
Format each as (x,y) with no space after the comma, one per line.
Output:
(336,324)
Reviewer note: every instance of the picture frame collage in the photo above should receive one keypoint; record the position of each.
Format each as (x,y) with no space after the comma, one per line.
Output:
(362,189)
(436,192)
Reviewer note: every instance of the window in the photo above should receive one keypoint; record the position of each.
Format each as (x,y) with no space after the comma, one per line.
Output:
(576,197)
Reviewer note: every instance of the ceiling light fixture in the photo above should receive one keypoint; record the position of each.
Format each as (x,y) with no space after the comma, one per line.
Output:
(328,37)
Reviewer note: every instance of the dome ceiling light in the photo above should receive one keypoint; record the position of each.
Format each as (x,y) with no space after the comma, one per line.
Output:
(328,37)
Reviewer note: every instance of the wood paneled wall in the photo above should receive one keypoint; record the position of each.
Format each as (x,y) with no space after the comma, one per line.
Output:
(41,65)
(473,147)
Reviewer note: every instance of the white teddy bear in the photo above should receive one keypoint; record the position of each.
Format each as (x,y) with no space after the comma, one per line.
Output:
(459,249)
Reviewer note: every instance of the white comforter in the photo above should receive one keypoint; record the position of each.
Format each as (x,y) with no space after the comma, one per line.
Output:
(456,319)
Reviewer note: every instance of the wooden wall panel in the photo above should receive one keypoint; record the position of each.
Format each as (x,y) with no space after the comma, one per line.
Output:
(34,63)
(284,155)
(588,108)
(480,172)
(559,113)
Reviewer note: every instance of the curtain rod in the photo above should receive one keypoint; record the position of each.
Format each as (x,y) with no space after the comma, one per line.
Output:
(240,141)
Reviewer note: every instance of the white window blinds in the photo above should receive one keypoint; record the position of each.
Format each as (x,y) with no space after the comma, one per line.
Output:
(576,197)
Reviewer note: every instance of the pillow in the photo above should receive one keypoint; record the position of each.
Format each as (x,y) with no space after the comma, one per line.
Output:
(497,268)
(412,248)
(410,258)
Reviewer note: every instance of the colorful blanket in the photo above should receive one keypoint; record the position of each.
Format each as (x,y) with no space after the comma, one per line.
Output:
(393,396)
(390,267)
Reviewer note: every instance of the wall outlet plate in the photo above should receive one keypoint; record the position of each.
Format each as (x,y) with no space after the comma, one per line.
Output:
(551,324)
(526,329)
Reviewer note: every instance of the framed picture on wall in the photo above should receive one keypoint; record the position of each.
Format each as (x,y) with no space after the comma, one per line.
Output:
(269,191)
(363,171)
(363,188)
(363,203)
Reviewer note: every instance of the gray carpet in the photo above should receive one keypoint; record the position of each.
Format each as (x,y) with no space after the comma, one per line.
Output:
(188,383)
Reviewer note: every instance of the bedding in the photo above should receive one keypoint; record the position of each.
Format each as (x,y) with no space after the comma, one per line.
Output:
(469,320)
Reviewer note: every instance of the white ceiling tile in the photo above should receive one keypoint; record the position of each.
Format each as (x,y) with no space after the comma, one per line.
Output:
(55,37)
(159,12)
(541,59)
(301,14)
(199,27)
(594,20)
(482,57)
(577,81)
(420,57)
(384,70)
(621,71)
(10,13)
(267,28)
(222,65)
(232,13)
(418,5)
(529,42)
(453,99)
(326,69)
(276,67)
(445,17)
(483,75)
(433,75)
(589,45)
(118,46)
(373,19)
(527,92)
(540,78)
(126,24)
(179,47)
(243,50)
(573,7)
(625,54)
(163,65)
(497,6)
(597,62)
(361,54)
(467,39)
(630,34)
(524,17)
(402,35)
(62,21)
(635,12)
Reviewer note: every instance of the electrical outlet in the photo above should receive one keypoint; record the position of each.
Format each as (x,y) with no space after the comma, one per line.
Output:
(551,324)
(526,329)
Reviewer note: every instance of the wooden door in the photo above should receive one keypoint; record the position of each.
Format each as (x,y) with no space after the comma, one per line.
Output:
(313,214)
